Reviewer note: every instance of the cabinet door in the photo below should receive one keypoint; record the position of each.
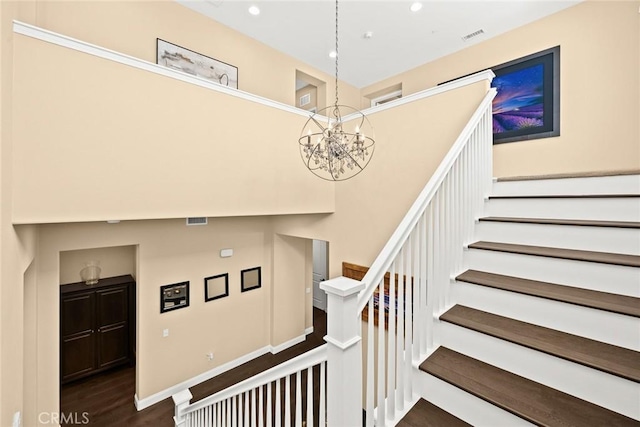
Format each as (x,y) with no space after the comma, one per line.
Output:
(112,320)
(77,347)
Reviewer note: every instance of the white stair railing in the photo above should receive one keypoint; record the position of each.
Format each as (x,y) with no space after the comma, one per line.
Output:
(406,288)
(408,282)
(266,399)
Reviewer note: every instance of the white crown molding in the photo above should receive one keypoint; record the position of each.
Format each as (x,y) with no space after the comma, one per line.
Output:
(487,75)
(101,52)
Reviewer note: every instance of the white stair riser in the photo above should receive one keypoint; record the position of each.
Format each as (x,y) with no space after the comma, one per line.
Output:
(608,209)
(609,391)
(599,325)
(600,239)
(622,184)
(588,275)
(464,405)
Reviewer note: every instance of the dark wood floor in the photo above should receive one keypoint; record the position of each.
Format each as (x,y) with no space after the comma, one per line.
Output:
(107,398)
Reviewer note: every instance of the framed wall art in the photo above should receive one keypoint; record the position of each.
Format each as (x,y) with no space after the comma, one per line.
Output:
(179,58)
(173,297)
(216,287)
(527,105)
(250,279)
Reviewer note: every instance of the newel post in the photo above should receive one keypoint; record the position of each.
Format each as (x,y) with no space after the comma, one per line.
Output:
(181,400)
(344,353)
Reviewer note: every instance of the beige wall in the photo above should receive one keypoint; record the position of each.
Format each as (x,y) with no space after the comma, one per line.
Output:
(102,23)
(290,269)
(97,140)
(600,82)
(114,261)
(369,207)
(170,252)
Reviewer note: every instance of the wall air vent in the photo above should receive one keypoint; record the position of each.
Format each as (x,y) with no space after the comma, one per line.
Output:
(197,220)
(472,35)
(305,99)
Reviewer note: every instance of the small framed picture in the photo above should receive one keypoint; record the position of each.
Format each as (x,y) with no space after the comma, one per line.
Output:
(216,287)
(250,278)
(173,297)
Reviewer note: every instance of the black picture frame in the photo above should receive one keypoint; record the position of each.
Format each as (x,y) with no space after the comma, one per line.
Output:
(174,296)
(210,294)
(250,279)
(527,120)
(188,61)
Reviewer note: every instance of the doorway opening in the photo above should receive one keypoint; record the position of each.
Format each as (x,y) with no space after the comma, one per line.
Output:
(320,272)
(98,318)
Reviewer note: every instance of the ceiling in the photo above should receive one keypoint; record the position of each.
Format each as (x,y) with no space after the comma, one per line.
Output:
(305,29)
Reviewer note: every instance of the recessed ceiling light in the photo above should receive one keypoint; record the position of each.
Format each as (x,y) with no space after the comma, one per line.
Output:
(254,10)
(333,54)
(416,6)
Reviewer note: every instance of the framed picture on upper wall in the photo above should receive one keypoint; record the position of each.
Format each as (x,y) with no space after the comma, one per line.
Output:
(527,105)
(179,58)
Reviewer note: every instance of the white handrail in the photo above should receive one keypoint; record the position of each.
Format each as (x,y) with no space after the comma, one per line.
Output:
(391,249)
(305,360)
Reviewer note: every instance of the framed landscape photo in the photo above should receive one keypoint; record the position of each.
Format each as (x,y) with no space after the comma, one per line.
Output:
(527,105)
(179,58)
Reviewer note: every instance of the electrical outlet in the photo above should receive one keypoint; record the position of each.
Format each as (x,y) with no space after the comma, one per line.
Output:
(165,333)
(308,290)
(209,356)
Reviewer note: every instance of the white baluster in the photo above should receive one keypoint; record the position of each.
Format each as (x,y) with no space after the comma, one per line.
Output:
(240,411)
(391,364)
(310,396)
(381,354)
(247,419)
(278,409)
(261,406)
(322,407)
(408,301)
(370,364)
(287,401)
(269,403)
(401,334)
(253,408)
(298,399)
(424,242)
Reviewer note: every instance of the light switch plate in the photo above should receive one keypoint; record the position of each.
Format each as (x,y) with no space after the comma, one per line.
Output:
(226,253)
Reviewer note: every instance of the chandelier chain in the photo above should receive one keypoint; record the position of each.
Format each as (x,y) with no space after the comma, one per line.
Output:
(336,53)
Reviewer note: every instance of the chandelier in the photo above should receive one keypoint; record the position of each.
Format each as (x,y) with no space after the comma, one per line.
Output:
(332,148)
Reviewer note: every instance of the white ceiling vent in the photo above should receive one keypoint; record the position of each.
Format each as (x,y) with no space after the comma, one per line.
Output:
(197,220)
(472,35)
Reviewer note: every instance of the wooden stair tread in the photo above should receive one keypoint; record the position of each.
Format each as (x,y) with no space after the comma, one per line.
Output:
(527,399)
(572,254)
(576,222)
(621,304)
(565,196)
(426,414)
(608,358)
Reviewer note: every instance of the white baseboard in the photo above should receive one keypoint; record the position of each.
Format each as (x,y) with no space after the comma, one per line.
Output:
(168,392)
(285,345)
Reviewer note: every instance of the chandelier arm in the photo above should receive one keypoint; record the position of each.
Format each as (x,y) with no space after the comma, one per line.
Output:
(317,123)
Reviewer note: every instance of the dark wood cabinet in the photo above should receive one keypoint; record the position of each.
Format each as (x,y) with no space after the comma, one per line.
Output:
(97,326)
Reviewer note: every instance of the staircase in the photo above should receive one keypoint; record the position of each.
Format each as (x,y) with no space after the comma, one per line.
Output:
(544,320)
